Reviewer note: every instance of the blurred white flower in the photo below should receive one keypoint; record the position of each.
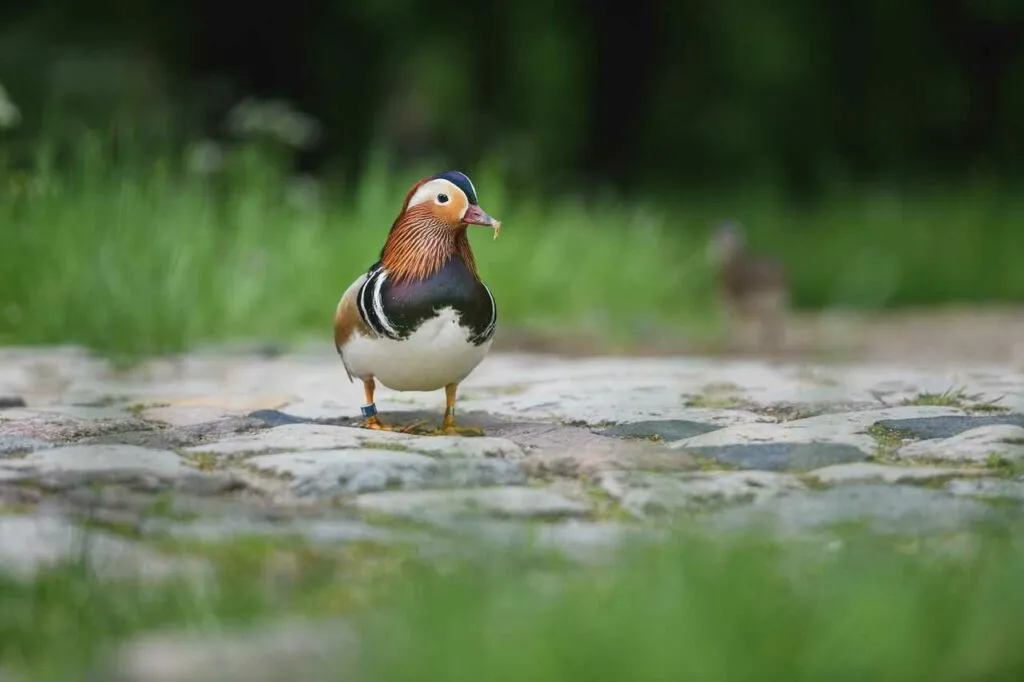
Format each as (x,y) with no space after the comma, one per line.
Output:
(275,118)
(9,114)
(303,192)
(204,157)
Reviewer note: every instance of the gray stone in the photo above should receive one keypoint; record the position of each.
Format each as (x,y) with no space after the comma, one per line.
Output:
(879,507)
(89,488)
(269,652)
(87,412)
(663,429)
(846,428)
(17,497)
(781,456)
(645,494)
(176,437)
(13,445)
(561,450)
(11,400)
(458,446)
(500,502)
(994,488)
(313,530)
(302,437)
(63,413)
(1005,441)
(860,472)
(597,390)
(326,473)
(547,416)
(62,424)
(580,539)
(947,426)
(293,437)
(586,541)
(101,459)
(273,418)
(29,543)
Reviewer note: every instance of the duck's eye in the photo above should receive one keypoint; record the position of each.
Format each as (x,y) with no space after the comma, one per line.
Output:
(442,198)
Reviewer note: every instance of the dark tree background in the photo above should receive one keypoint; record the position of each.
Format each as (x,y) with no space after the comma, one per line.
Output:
(642,94)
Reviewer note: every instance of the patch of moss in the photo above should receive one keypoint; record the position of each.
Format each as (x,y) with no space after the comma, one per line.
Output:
(989,407)
(887,441)
(163,507)
(785,412)
(504,390)
(106,401)
(204,461)
(16,508)
(1000,502)
(814,376)
(690,400)
(576,422)
(605,507)
(136,409)
(813,482)
(394,447)
(715,395)
(1003,467)
(709,464)
(308,578)
(395,523)
(959,398)
(933,482)
(266,473)
(720,387)
(948,398)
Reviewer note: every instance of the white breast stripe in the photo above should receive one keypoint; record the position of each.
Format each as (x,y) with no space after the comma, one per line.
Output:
(362,306)
(494,315)
(378,306)
(365,303)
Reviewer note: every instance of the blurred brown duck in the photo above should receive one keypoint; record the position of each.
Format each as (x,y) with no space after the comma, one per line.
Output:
(750,286)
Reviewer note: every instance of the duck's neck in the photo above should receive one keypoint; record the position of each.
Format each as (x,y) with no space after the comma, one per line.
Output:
(416,248)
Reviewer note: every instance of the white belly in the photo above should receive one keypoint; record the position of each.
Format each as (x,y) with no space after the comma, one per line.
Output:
(435,355)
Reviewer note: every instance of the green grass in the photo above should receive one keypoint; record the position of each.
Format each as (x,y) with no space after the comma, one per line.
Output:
(145,259)
(690,609)
(956,397)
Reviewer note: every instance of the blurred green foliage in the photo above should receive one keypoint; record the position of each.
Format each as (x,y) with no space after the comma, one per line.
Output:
(896,608)
(156,255)
(153,198)
(648,95)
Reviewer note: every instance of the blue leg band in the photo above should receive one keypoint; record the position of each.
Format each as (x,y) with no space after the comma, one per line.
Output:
(369,410)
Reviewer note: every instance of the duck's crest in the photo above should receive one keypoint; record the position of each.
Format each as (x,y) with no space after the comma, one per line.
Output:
(460,180)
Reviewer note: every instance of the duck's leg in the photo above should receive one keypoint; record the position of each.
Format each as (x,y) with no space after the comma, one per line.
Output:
(448,426)
(369,410)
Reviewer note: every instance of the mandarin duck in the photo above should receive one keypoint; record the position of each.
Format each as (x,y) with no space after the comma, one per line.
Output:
(749,285)
(420,318)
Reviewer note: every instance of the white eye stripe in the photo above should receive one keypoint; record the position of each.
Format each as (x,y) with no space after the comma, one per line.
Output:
(430,190)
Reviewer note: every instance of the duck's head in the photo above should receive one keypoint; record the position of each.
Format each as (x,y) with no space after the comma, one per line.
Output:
(431,226)
(725,242)
(448,198)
